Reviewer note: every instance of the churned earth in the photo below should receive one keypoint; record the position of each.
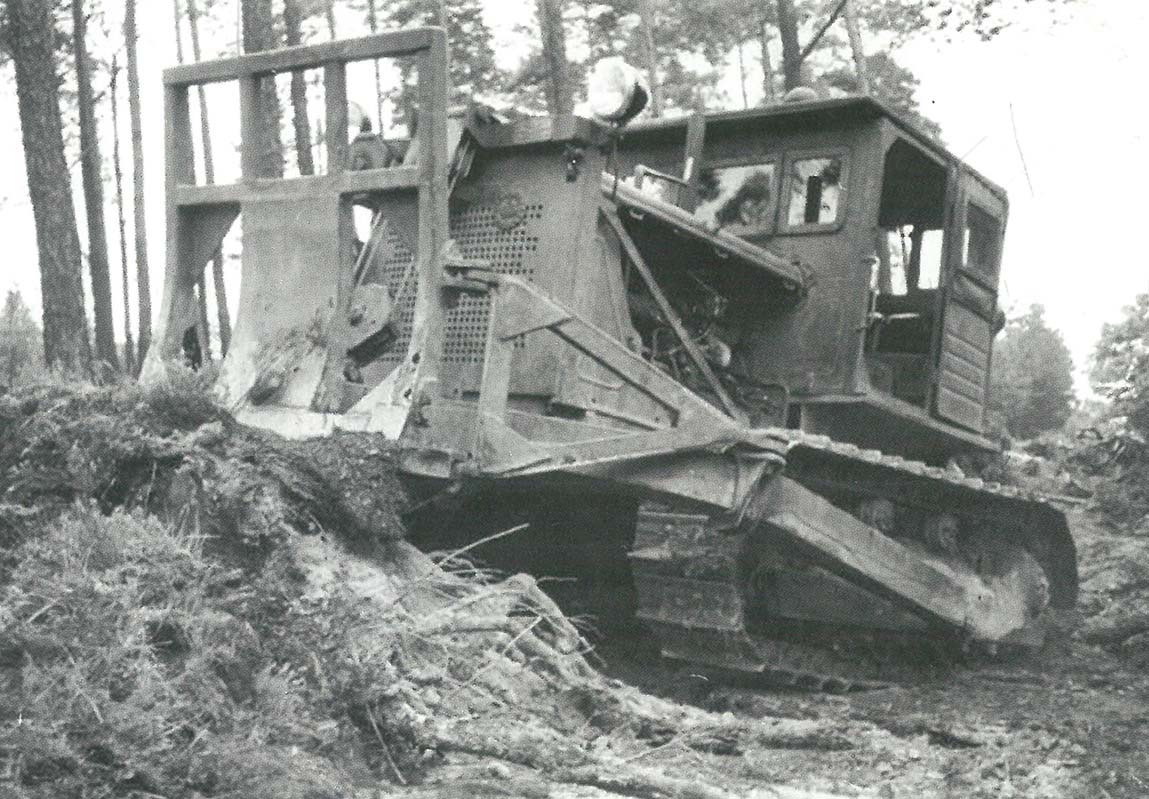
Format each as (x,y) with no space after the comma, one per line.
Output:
(189,608)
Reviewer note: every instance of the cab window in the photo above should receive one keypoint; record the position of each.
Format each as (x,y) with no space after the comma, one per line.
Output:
(980,244)
(816,191)
(741,199)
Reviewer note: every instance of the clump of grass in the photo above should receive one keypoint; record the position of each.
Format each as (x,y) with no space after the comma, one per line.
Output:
(131,666)
(184,396)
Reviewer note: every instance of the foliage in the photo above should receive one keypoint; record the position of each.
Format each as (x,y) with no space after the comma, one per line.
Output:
(178,620)
(1118,448)
(472,56)
(184,397)
(21,343)
(1032,376)
(889,82)
(1120,368)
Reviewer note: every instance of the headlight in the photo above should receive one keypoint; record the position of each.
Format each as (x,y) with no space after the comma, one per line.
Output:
(616,91)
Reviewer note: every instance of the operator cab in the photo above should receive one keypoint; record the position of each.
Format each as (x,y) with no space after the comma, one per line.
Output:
(899,244)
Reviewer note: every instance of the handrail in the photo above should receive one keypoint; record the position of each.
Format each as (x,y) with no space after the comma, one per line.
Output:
(391,44)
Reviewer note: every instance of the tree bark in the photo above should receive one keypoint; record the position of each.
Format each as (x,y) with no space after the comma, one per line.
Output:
(650,55)
(90,167)
(143,279)
(31,37)
(222,313)
(293,30)
(855,34)
(767,65)
(201,282)
(129,339)
(791,49)
(258,35)
(560,92)
(742,76)
(373,24)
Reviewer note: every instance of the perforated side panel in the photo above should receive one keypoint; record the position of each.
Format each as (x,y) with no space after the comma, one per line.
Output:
(508,247)
(399,274)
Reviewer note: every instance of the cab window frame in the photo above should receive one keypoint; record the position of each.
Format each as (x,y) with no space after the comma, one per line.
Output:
(745,231)
(784,226)
(987,274)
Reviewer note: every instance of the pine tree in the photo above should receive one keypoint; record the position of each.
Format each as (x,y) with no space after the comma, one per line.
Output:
(293,34)
(559,87)
(91,168)
(259,35)
(20,349)
(125,273)
(222,313)
(143,279)
(31,36)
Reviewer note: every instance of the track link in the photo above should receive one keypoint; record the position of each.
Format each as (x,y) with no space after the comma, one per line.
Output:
(694,579)
(691,583)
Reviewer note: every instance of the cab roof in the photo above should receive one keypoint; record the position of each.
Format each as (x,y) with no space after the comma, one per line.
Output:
(836,111)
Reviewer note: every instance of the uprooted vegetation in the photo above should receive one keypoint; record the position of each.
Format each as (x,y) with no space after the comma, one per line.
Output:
(190,608)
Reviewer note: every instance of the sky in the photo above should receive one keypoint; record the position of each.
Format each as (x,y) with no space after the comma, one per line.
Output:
(1047,111)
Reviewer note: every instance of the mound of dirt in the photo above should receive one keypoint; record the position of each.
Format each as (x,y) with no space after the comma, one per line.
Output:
(191,608)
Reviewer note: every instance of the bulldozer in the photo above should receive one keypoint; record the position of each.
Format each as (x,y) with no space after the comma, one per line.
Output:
(732,366)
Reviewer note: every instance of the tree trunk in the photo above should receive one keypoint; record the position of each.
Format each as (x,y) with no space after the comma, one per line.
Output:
(859,53)
(560,92)
(373,24)
(143,280)
(31,46)
(767,65)
(791,49)
(293,29)
(258,35)
(221,309)
(650,55)
(129,343)
(201,282)
(90,166)
(742,76)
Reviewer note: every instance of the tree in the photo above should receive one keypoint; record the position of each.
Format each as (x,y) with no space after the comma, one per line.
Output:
(20,349)
(1032,382)
(791,49)
(891,83)
(129,345)
(259,35)
(854,31)
(209,176)
(30,35)
(201,283)
(91,168)
(650,59)
(293,34)
(472,57)
(1120,367)
(143,279)
(559,88)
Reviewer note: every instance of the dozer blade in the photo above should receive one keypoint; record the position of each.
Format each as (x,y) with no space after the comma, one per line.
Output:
(287,304)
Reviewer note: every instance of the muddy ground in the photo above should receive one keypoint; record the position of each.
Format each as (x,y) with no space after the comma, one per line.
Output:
(1071,721)
(369,671)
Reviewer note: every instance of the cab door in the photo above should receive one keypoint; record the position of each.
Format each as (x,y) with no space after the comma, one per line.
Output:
(969,312)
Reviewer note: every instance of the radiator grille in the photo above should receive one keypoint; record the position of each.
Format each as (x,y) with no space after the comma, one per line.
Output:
(475,229)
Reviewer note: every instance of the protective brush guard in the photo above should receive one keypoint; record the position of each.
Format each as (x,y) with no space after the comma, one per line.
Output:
(297,335)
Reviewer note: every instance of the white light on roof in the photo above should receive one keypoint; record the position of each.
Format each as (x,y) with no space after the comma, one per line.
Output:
(616,91)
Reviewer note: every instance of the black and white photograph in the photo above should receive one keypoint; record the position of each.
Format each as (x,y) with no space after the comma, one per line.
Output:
(573,399)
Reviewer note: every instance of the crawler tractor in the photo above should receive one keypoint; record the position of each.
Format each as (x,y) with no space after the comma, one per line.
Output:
(743,354)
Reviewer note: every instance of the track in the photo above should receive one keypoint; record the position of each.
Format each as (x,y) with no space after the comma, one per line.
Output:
(710,596)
